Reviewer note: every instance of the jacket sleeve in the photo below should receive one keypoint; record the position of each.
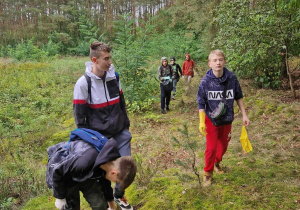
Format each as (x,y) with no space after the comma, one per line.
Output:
(123,106)
(179,69)
(201,96)
(59,180)
(238,90)
(107,189)
(183,68)
(193,66)
(160,77)
(173,73)
(80,103)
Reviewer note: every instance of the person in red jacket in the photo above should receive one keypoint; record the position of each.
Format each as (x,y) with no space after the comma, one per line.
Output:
(188,70)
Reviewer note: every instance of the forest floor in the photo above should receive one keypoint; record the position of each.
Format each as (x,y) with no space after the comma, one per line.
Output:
(266,178)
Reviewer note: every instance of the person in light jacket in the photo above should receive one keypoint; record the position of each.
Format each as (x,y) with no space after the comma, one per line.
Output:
(101,107)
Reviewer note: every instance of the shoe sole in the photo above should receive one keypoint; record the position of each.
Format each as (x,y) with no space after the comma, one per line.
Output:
(129,207)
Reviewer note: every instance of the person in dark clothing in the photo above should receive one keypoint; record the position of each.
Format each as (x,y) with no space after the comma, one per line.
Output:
(165,76)
(103,109)
(177,69)
(89,171)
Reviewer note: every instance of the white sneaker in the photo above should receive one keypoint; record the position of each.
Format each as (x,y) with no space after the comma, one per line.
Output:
(122,202)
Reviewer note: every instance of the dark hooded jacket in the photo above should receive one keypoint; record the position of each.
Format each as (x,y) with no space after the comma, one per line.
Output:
(210,94)
(176,69)
(82,162)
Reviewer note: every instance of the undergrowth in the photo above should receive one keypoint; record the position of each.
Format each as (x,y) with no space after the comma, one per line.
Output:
(265,178)
(36,103)
(37,113)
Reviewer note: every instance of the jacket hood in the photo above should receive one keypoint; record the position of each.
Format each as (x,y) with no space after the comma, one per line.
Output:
(108,153)
(89,66)
(211,75)
(164,58)
(189,56)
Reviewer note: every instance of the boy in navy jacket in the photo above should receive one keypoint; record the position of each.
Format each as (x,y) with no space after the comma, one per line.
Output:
(218,90)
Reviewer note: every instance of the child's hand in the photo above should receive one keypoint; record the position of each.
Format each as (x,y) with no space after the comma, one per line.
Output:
(246,120)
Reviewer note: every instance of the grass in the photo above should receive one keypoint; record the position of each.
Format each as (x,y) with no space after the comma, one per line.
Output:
(36,109)
(266,178)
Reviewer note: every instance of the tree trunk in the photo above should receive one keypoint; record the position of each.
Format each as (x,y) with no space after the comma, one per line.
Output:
(108,18)
(2,22)
(286,54)
(289,74)
(283,72)
(133,17)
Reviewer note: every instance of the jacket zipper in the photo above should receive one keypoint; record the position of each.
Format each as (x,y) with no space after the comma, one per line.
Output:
(105,90)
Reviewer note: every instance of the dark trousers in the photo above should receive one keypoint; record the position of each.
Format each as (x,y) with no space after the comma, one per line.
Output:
(91,190)
(164,97)
(123,140)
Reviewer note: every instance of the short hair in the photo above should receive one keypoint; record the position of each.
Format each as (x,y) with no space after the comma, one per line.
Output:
(97,47)
(216,52)
(127,171)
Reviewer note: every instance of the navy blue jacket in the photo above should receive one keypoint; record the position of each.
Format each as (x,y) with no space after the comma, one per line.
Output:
(210,94)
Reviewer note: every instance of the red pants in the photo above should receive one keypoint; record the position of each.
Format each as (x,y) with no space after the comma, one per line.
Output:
(217,139)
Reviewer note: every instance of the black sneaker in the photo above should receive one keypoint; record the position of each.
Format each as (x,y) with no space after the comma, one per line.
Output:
(122,202)
(163,111)
(167,108)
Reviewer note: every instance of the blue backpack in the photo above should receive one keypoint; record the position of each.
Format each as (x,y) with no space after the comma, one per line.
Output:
(90,136)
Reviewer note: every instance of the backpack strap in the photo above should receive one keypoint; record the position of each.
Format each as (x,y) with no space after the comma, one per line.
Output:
(89,82)
(118,79)
(224,92)
(117,76)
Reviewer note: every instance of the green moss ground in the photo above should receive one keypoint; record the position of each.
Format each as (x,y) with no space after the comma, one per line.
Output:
(266,178)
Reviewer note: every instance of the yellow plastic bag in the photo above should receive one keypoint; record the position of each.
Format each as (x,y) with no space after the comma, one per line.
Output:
(245,141)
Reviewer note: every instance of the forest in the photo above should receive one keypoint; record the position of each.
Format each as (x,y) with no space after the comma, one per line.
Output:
(43,48)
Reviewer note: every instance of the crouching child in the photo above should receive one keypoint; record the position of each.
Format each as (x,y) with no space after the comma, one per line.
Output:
(76,166)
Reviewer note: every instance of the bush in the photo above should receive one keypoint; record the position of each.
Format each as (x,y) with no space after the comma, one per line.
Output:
(51,48)
(27,51)
(246,34)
